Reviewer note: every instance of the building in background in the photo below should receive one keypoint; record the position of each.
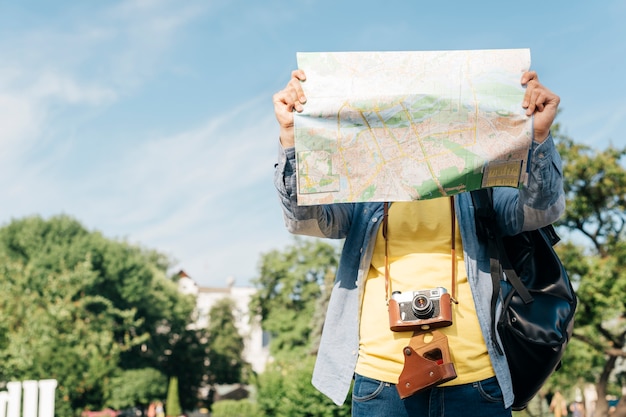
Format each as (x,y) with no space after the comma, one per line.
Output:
(256,349)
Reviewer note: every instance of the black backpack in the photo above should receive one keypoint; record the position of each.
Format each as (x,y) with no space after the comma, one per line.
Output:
(537,315)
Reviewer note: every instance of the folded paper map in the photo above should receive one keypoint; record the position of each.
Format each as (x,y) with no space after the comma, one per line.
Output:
(402,126)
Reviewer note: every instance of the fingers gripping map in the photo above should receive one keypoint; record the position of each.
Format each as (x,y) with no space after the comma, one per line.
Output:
(402,126)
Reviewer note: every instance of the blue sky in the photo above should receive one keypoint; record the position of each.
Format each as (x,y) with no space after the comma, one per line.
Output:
(152,120)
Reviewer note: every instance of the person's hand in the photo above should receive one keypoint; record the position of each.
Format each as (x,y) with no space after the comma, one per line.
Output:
(285,102)
(540,102)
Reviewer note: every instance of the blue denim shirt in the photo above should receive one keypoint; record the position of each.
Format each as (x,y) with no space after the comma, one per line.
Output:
(538,204)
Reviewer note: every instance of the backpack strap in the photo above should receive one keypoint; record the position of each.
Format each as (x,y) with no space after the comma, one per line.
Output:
(499,264)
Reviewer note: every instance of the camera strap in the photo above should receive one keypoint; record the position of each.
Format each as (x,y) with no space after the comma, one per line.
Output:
(452,251)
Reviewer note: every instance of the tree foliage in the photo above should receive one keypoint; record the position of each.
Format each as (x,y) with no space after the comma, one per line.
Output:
(86,310)
(172,406)
(595,256)
(293,290)
(225,347)
(137,386)
(236,408)
(285,390)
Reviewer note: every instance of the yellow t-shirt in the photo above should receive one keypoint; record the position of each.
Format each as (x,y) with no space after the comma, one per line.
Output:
(419,250)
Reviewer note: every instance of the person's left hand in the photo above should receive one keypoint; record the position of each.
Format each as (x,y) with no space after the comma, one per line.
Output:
(540,102)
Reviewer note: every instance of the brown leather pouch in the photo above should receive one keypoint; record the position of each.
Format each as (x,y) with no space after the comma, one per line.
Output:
(427,363)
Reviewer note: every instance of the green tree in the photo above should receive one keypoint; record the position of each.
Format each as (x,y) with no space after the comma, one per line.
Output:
(236,408)
(226,364)
(57,334)
(82,309)
(172,406)
(293,290)
(285,390)
(137,387)
(595,257)
(186,359)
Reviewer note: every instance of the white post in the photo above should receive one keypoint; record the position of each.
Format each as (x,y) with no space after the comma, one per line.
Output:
(29,403)
(4,400)
(46,397)
(15,395)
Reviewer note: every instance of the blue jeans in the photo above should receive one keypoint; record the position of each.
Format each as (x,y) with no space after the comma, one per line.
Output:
(373,398)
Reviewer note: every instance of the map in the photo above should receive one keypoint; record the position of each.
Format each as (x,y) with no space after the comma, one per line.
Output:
(403,126)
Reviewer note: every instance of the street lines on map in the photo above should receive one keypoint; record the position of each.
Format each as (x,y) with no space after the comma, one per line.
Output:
(425,157)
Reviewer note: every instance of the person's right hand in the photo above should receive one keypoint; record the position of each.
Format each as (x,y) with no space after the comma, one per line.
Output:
(285,102)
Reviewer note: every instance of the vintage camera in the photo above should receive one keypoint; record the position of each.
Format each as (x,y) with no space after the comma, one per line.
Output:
(420,310)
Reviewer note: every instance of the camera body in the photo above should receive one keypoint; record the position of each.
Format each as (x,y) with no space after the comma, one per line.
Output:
(420,310)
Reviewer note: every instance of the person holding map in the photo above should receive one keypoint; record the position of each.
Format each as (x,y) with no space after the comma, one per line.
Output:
(408,247)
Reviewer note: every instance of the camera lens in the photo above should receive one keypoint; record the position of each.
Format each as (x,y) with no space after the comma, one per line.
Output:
(422,307)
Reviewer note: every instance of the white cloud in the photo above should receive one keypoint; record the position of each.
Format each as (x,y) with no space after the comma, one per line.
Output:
(68,90)
(17,120)
(88,62)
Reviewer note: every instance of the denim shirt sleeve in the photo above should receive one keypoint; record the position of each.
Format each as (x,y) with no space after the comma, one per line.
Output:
(541,201)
